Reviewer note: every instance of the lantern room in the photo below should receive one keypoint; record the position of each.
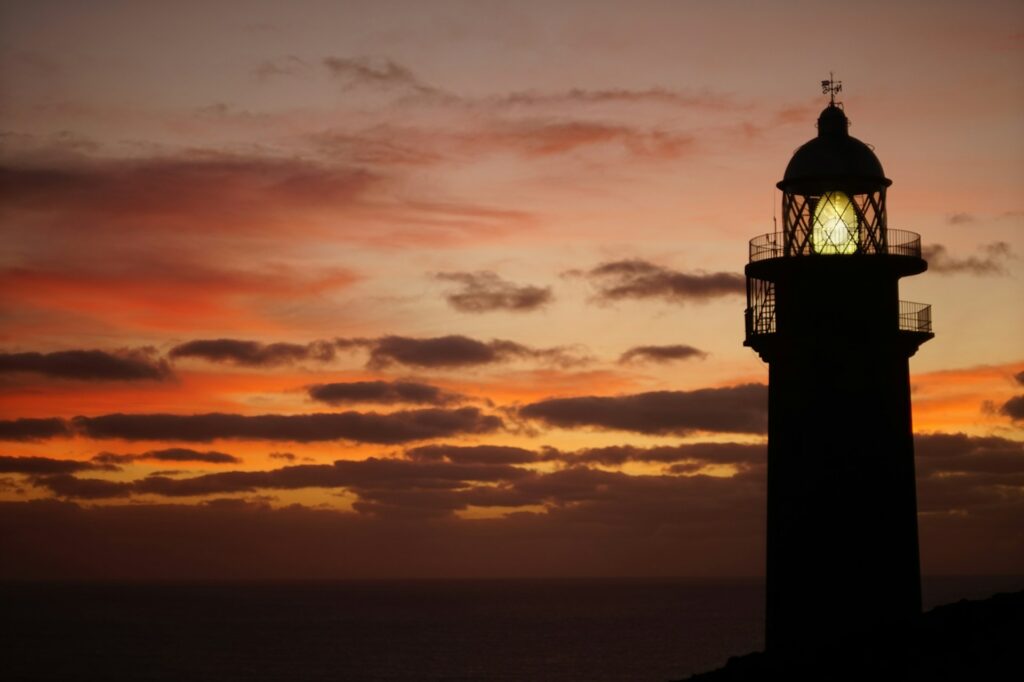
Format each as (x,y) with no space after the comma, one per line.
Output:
(835,256)
(833,193)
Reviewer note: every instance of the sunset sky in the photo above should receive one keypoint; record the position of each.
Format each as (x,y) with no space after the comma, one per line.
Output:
(420,289)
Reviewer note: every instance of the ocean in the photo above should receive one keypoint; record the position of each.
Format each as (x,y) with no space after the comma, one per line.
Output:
(585,629)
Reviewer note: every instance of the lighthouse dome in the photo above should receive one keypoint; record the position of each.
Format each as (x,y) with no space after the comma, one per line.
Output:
(833,159)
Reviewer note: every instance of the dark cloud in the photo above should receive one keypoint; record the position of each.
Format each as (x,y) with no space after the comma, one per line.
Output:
(409,505)
(474,454)
(362,71)
(287,456)
(186,455)
(437,352)
(951,467)
(88,365)
(169,455)
(47,465)
(386,473)
(960,218)
(953,470)
(737,409)
(362,476)
(1013,408)
(287,478)
(992,262)
(443,351)
(483,292)
(969,488)
(289,65)
(404,524)
(639,279)
(942,454)
(661,354)
(254,353)
(744,455)
(620,95)
(381,392)
(369,427)
(437,501)
(33,429)
(458,351)
(66,485)
(386,73)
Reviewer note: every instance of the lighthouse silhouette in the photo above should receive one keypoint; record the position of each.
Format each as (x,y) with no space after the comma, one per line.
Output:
(824,311)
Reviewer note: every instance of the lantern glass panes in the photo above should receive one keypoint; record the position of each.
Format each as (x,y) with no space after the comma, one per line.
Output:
(835,224)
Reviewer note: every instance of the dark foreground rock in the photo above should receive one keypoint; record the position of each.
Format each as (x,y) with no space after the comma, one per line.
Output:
(967,640)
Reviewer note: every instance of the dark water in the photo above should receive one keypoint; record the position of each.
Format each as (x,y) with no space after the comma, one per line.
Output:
(429,630)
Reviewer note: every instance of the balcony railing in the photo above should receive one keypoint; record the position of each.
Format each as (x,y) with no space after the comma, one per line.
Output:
(773,245)
(760,318)
(915,317)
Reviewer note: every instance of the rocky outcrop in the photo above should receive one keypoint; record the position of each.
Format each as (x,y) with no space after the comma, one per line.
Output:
(966,640)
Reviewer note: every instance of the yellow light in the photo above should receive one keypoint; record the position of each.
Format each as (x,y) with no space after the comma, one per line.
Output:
(835,224)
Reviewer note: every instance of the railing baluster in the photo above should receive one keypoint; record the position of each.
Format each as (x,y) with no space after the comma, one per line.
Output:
(897,243)
(913,317)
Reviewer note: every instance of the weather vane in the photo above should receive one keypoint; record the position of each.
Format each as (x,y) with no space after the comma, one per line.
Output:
(831,87)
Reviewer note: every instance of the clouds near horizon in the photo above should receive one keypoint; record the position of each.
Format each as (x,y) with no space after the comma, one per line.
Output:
(736,409)
(168,455)
(962,497)
(365,427)
(89,365)
(381,392)
(253,353)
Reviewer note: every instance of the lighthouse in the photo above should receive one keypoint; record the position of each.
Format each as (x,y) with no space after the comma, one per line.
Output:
(824,311)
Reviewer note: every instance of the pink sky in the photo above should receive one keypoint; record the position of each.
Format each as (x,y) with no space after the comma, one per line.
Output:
(438,186)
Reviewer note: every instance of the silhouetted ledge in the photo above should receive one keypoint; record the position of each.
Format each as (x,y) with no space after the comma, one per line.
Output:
(968,640)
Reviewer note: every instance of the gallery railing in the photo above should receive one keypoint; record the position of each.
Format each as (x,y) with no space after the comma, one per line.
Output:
(760,317)
(915,317)
(773,245)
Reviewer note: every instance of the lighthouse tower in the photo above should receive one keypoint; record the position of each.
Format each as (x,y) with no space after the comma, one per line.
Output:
(824,311)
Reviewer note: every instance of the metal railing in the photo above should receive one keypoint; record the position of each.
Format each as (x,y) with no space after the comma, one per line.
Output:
(760,315)
(766,246)
(760,318)
(915,317)
(773,245)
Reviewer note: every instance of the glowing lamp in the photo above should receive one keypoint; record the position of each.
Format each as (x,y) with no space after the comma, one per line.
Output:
(835,224)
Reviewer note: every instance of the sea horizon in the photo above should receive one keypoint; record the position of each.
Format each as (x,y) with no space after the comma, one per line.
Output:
(583,628)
